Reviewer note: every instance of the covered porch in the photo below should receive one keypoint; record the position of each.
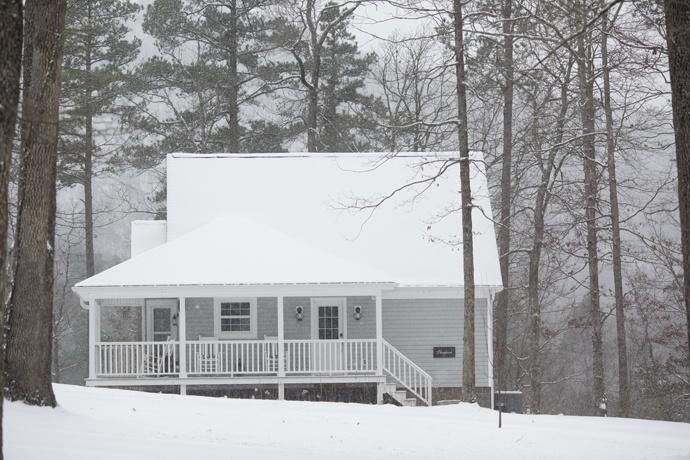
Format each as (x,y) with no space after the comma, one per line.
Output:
(245,335)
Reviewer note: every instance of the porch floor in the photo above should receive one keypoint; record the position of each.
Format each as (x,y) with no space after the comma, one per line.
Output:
(226,380)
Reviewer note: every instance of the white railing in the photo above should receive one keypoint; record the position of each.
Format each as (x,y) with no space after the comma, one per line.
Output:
(119,359)
(236,358)
(239,357)
(349,356)
(407,373)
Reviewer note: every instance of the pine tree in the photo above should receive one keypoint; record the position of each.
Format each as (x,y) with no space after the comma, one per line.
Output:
(346,114)
(211,64)
(97,53)
(331,73)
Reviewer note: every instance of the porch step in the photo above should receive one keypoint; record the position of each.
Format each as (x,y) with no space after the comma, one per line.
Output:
(399,395)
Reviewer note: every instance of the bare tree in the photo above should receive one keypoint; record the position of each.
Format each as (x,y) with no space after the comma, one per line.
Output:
(549,167)
(623,387)
(29,333)
(503,298)
(678,40)
(468,370)
(586,77)
(417,92)
(10,70)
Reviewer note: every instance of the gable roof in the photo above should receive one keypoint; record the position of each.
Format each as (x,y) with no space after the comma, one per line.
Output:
(298,218)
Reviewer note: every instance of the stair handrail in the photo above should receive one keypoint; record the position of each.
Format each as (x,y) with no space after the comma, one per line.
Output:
(421,383)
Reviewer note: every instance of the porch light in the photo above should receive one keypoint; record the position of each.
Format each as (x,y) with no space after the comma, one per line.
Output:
(358,312)
(299,312)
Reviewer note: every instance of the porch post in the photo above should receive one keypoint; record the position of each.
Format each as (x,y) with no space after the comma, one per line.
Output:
(379,347)
(92,338)
(281,347)
(379,335)
(182,333)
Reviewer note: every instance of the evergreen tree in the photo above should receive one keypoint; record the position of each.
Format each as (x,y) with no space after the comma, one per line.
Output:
(213,61)
(346,114)
(338,115)
(97,53)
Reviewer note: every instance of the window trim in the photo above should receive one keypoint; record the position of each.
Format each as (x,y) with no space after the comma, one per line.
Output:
(250,334)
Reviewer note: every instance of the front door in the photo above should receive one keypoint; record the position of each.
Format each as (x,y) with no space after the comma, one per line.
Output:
(329,326)
(161,320)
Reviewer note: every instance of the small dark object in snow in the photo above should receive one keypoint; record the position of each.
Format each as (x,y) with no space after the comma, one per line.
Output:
(388,399)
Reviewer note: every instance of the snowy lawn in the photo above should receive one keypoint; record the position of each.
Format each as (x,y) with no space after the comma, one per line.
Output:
(114,424)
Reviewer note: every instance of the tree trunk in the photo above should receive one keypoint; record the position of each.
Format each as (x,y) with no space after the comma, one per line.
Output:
(503,298)
(314,74)
(678,40)
(541,204)
(312,119)
(10,71)
(29,335)
(623,388)
(88,197)
(468,378)
(233,82)
(88,169)
(533,274)
(587,114)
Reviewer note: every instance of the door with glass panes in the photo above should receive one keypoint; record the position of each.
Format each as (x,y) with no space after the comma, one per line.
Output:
(329,329)
(161,320)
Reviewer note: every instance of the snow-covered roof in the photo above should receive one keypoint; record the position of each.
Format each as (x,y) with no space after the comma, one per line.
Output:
(234,250)
(305,218)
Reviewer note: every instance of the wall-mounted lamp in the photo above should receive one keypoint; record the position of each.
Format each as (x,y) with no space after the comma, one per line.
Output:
(174,319)
(358,312)
(299,312)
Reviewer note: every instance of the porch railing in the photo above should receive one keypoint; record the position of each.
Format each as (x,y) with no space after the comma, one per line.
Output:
(405,372)
(124,359)
(236,358)
(246,357)
(351,356)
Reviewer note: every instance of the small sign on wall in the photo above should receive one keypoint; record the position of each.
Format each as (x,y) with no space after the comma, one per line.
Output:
(444,352)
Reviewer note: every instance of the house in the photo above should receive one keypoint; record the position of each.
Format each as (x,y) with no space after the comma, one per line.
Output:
(293,271)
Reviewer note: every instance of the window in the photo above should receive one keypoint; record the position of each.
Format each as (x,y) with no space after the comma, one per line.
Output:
(235,318)
(329,327)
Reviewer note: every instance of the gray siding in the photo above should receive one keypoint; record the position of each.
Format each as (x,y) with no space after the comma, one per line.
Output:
(416,326)
(296,329)
(199,317)
(365,328)
(266,317)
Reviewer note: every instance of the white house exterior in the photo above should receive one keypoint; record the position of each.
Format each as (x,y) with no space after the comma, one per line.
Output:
(295,270)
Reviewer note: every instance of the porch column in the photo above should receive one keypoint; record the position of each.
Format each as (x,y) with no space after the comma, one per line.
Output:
(379,335)
(94,334)
(379,347)
(182,333)
(281,347)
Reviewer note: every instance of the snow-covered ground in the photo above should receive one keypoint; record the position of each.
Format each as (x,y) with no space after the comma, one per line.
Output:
(114,424)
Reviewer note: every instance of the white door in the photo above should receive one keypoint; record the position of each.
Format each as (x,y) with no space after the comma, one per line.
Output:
(329,327)
(161,320)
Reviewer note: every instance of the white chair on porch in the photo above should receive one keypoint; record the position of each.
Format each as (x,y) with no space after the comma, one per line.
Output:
(271,354)
(159,358)
(207,355)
